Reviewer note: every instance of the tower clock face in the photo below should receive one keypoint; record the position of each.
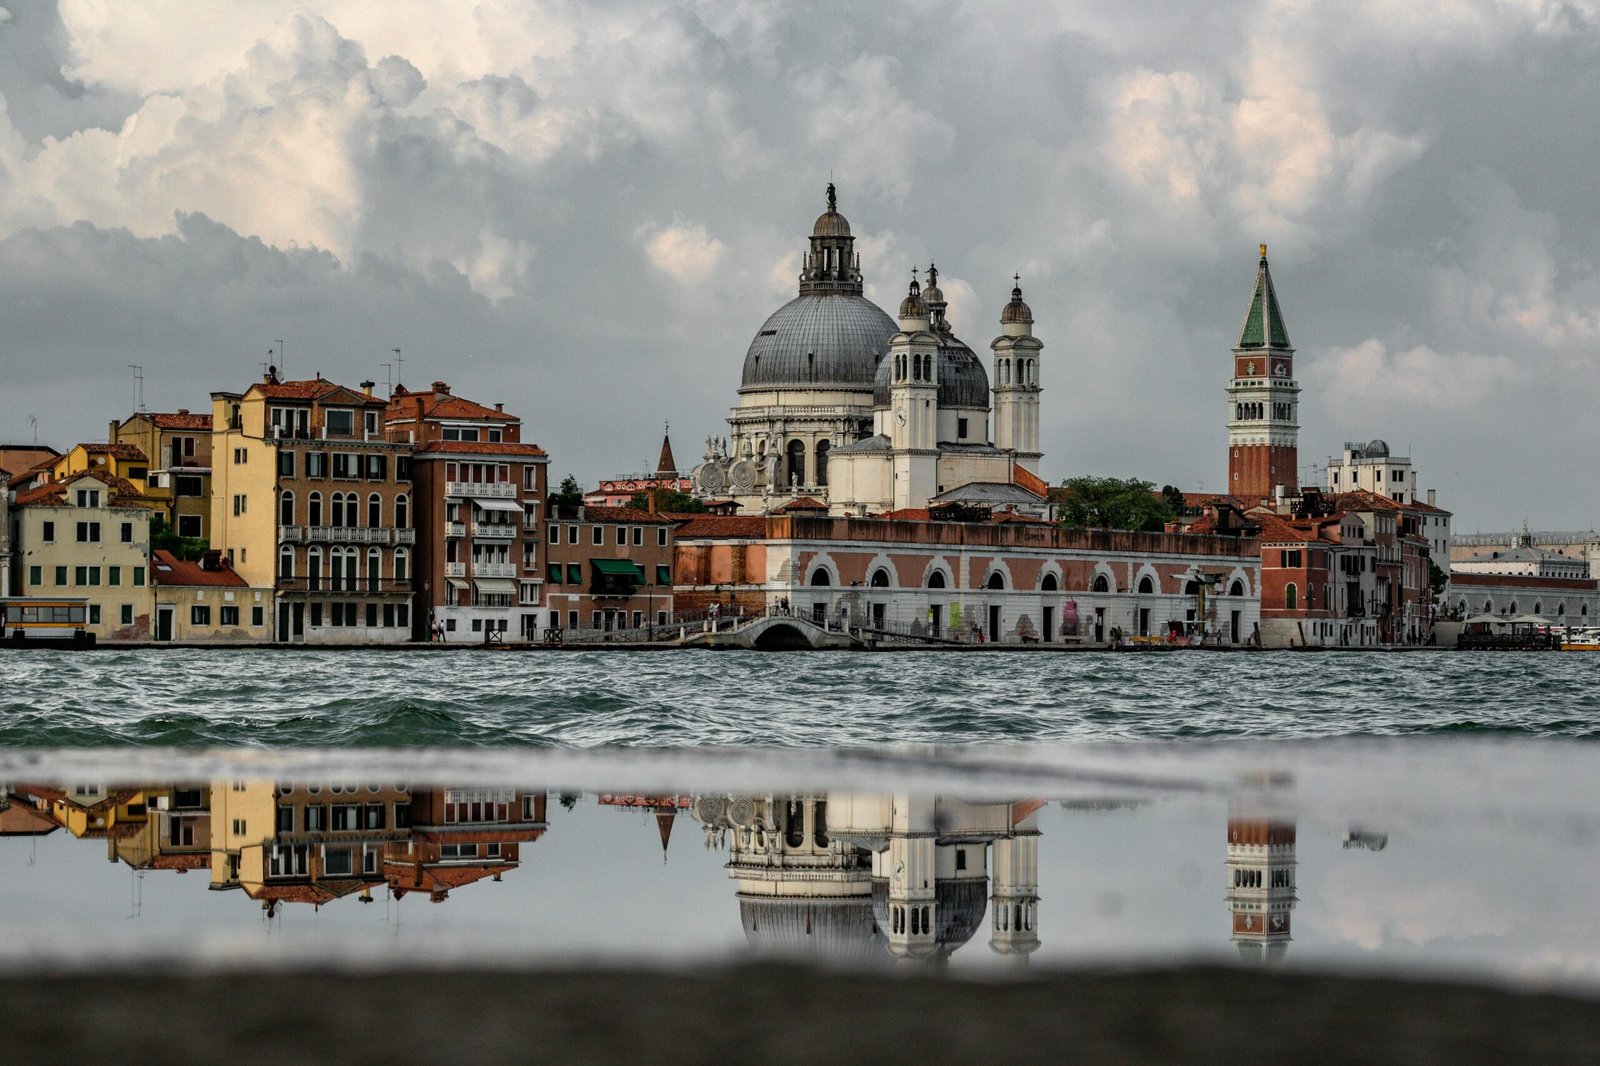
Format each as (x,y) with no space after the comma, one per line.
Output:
(900,414)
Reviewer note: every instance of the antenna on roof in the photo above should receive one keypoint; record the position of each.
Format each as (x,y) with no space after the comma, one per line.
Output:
(138,385)
(34,424)
(283,364)
(399,365)
(389,376)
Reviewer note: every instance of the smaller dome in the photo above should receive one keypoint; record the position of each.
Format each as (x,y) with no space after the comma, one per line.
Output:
(913,306)
(933,294)
(1016,311)
(1376,449)
(831,224)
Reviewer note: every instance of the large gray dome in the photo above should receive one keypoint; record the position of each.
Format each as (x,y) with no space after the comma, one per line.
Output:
(962,380)
(828,927)
(832,341)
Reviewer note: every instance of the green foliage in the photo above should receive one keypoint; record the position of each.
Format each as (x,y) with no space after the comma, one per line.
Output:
(1174,497)
(164,538)
(1112,503)
(668,500)
(569,497)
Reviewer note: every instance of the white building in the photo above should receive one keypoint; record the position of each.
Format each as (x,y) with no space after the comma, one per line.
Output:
(1369,466)
(839,402)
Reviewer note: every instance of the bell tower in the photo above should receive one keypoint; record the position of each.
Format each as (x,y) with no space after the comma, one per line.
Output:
(1263,405)
(1261,864)
(1014,904)
(1016,382)
(914,403)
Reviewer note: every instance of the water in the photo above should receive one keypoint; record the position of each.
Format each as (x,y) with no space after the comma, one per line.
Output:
(588,699)
(1435,812)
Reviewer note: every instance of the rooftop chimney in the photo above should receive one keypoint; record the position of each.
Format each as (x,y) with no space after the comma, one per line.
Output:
(1433,496)
(441,388)
(500,408)
(367,386)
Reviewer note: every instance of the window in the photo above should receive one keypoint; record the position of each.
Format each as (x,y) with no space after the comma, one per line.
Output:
(340,421)
(553,573)
(127,532)
(402,511)
(35,575)
(49,533)
(228,616)
(346,818)
(375,509)
(61,575)
(337,862)
(187,485)
(240,456)
(315,818)
(200,615)
(189,525)
(402,468)
(961,429)
(1291,559)
(377,467)
(316,465)
(114,576)
(371,422)
(286,509)
(638,536)
(286,463)
(89,532)
(597,534)
(138,576)
(239,504)
(1290,595)
(661,536)
(127,614)
(258,616)
(402,564)
(94,614)
(346,466)
(88,497)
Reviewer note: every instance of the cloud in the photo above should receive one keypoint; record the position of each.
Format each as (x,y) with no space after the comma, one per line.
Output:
(683,251)
(1418,377)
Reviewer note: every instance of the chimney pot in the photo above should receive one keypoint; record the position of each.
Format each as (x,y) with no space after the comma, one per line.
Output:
(441,388)
(500,408)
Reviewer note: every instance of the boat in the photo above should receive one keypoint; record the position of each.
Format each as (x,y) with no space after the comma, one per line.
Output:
(1581,638)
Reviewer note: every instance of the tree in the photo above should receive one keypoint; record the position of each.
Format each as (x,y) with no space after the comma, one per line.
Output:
(569,497)
(668,500)
(1112,503)
(1174,497)
(164,538)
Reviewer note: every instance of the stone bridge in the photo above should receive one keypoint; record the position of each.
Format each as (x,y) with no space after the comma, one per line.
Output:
(774,632)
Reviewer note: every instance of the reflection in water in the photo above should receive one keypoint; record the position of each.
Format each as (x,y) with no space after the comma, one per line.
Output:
(828,876)
(286,843)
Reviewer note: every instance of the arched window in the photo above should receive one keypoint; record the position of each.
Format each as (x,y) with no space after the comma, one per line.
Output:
(819,823)
(402,564)
(797,462)
(822,461)
(1191,587)
(313,568)
(1146,586)
(1236,589)
(286,561)
(996,581)
(286,509)
(402,511)
(1049,584)
(794,818)
(1583,611)
(374,510)
(1488,606)
(1538,607)
(879,579)
(338,510)
(820,576)
(1561,610)
(1100,584)
(374,569)
(314,509)
(1290,597)
(936,579)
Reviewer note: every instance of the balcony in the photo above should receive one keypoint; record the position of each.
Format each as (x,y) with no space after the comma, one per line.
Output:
(291,534)
(351,534)
(328,583)
(455,569)
(405,536)
(484,531)
(455,529)
(494,570)
(502,489)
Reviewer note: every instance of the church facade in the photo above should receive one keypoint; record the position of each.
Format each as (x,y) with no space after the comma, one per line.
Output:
(869,414)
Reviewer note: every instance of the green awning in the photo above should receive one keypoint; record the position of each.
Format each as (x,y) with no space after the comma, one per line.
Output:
(619,568)
(553,572)
(574,574)
(663,575)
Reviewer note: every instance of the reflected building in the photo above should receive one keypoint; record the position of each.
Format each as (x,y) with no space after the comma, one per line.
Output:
(462,835)
(174,834)
(863,875)
(664,808)
(1261,883)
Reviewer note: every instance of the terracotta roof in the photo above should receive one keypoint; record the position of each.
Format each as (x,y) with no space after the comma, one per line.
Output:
(437,881)
(620,514)
(182,420)
(192,861)
(19,459)
(723,526)
(1014,517)
(403,407)
(802,503)
(168,569)
(1528,581)
(315,389)
(53,492)
(473,447)
(1277,529)
(908,514)
(131,452)
(1030,481)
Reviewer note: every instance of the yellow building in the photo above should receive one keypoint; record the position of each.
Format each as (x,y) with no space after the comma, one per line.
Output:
(177,483)
(127,462)
(87,535)
(206,600)
(174,834)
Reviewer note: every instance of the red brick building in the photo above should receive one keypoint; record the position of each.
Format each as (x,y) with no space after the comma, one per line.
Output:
(1263,401)
(609,568)
(480,494)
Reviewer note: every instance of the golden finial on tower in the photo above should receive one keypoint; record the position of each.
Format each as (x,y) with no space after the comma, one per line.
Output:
(1263,251)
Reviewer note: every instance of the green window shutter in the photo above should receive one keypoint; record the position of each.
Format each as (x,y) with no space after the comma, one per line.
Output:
(138,575)
(114,576)
(663,575)
(61,575)
(553,573)
(574,574)
(35,575)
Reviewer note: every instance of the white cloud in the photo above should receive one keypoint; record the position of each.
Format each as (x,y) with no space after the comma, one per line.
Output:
(683,251)
(1419,377)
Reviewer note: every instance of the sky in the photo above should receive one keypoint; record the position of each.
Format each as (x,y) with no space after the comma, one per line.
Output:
(586,211)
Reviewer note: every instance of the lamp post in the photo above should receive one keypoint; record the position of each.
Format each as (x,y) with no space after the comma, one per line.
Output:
(649,608)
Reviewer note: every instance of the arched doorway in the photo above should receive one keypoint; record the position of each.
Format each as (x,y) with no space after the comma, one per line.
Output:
(1048,585)
(996,582)
(879,579)
(822,461)
(820,578)
(936,610)
(797,463)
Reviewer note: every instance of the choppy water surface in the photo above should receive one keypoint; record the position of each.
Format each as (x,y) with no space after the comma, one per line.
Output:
(585,699)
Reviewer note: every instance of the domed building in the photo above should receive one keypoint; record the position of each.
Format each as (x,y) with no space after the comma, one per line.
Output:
(823,414)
